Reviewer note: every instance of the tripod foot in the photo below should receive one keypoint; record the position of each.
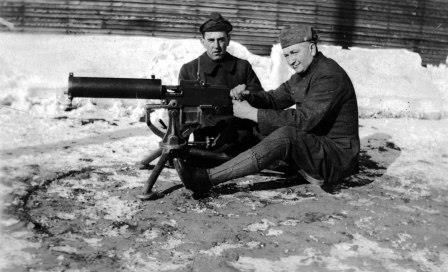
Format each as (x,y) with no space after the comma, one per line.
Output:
(150,196)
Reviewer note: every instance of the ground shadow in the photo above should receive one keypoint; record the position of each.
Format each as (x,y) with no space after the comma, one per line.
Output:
(276,183)
(377,153)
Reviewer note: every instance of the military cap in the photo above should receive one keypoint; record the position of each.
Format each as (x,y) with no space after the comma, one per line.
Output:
(215,23)
(296,34)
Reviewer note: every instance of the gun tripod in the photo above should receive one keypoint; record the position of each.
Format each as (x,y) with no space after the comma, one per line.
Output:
(174,145)
(186,102)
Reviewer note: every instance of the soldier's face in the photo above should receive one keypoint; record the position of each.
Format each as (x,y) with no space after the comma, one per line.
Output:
(299,56)
(216,44)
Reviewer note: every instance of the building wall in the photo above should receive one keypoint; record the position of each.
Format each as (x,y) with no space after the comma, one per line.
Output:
(418,25)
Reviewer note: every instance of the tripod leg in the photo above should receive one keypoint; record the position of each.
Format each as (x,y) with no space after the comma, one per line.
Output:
(147,191)
(143,164)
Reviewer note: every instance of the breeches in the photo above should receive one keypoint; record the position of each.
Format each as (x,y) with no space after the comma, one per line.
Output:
(299,149)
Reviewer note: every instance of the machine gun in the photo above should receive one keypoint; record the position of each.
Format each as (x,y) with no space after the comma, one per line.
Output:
(186,103)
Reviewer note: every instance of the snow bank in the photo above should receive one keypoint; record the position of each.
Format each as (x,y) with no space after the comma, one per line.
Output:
(34,69)
(391,82)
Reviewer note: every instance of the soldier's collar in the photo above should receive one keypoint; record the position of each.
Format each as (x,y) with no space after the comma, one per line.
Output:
(208,65)
(313,64)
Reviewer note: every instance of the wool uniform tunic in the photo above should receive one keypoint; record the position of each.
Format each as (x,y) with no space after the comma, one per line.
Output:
(326,112)
(230,71)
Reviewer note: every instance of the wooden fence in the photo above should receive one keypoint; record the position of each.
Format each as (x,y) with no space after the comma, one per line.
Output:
(418,25)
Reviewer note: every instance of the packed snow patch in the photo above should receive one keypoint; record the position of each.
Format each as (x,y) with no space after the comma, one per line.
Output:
(35,68)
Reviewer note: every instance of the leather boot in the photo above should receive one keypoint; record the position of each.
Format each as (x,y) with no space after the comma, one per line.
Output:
(193,178)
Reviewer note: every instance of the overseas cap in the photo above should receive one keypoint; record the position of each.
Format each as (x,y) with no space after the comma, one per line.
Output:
(296,34)
(216,23)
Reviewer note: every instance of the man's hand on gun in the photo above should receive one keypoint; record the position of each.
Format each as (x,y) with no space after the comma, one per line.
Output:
(239,92)
(241,108)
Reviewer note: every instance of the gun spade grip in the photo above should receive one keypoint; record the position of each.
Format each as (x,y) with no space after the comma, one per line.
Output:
(102,87)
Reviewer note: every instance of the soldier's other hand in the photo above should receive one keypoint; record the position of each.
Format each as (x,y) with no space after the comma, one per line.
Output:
(238,92)
(243,110)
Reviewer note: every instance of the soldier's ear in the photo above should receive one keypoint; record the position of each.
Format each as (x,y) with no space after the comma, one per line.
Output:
(313,49)
(228,37)
(202,40)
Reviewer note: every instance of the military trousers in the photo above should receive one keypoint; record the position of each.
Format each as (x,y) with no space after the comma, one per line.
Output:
(302,150)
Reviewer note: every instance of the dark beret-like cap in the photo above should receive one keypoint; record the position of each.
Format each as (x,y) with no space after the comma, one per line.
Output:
(216,23)
(296,34)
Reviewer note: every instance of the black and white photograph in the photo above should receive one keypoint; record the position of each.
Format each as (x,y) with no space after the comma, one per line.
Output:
(224,135)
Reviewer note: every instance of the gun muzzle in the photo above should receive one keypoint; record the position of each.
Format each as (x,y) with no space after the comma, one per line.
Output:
(103,87)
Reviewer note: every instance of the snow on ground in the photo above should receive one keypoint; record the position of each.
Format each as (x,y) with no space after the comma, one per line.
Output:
(35,67)
(70,204)
(68,180)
